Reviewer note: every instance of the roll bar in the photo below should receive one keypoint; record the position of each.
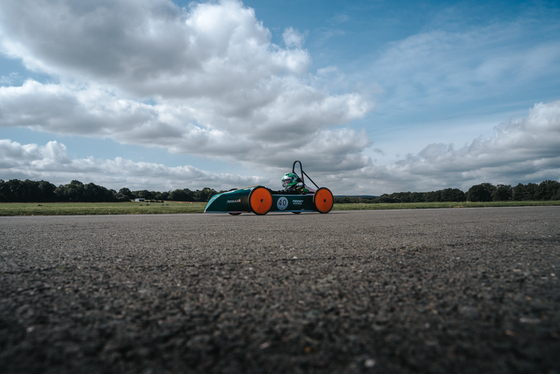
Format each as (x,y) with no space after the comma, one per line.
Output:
(302,173)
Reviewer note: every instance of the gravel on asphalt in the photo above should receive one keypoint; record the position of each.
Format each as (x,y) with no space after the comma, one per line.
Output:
(436,291)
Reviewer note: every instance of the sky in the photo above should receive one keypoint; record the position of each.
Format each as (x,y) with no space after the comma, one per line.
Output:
(372,96)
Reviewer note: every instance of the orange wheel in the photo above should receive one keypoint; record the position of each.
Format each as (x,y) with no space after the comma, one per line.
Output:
(323,200)
(260,200)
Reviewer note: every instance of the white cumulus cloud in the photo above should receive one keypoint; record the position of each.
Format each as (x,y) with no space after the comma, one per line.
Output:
(203,80)
(521,150)
(292,38)
(51,162)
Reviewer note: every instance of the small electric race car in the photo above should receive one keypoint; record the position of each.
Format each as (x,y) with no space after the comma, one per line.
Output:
(296,197)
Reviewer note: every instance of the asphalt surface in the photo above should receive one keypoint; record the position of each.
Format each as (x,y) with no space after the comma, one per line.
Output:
(447,290)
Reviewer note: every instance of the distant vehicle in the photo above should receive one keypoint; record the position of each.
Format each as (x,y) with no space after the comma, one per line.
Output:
(296,197)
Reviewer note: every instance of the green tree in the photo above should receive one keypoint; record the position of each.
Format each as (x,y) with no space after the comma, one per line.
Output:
(126,192)
(384,199)
(26,191)
(452,194)
(518,192)
(502,193)
(4,192)
(14,190)
(29,191)
(162,195)
(180,195)
(417,197)
(401,197)
(432,196)
(480,192)
(530,191)
(46,190)
(145,194)
(546,190)
(115,196)
(204,195)
(95,193)
(74,191)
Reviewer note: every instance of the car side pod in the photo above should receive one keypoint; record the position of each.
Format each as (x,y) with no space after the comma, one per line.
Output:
(323,200)
(260,200)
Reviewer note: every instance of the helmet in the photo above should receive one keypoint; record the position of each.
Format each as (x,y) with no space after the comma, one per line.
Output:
(289,180)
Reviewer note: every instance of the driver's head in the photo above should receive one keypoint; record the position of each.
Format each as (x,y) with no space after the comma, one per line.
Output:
(289,181)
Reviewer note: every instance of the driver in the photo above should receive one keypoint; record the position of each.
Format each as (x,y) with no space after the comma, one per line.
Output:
(292,183)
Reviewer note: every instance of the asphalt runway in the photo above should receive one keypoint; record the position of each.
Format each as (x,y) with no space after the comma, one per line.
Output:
(403,291)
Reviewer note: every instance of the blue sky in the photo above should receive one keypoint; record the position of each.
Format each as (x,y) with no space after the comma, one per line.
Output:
(372,96)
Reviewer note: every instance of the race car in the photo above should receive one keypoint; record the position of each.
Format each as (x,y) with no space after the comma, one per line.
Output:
(296,197)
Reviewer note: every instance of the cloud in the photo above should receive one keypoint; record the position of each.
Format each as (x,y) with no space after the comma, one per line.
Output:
(51,162)
(292,38)
(9,79)
(431,68)
(147,48)
(521,150)
(216,85)
(266,135)
(341,18)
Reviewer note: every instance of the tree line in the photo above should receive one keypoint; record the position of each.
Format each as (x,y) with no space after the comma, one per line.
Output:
(32,191)
(546,190)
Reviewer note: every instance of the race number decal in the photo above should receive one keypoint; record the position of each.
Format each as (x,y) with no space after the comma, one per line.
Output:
(282,203)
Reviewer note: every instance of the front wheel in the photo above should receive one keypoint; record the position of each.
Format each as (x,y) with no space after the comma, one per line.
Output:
(323,200)
(260,200)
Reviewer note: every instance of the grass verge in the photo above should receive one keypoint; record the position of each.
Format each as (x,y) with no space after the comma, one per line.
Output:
(442,205)
(57,209)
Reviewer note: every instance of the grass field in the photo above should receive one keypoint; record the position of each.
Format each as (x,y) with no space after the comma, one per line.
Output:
(442,205)
(48,209)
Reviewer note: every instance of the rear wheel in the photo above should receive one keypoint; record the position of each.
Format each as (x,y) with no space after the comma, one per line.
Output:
(260,200)
(323,200)
(235,214)
(296,212)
